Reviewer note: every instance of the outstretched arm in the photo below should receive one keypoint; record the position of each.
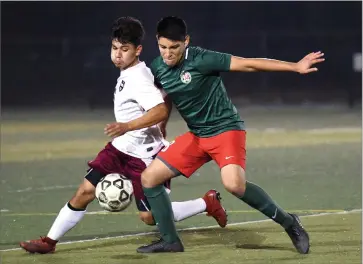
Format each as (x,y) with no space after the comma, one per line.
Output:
(304,66)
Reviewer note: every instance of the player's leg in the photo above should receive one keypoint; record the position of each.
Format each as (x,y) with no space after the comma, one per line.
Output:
(181,210)
(209,203)
(234,180)
(183,156)
(230,154)
(73,212)
(184,209)
(68,217)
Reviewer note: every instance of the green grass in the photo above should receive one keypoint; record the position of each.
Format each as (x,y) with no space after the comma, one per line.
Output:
(334,239)
(305,170)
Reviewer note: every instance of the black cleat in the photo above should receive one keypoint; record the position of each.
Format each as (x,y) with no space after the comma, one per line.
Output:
(161,246)
(298,235)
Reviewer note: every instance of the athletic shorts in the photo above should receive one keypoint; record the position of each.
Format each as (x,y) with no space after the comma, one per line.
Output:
(111,160)
(187,153)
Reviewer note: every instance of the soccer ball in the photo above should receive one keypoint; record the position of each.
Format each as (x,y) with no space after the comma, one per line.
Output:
(114,192)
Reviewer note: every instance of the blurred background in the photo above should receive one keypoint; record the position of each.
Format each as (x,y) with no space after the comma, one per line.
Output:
(58,53)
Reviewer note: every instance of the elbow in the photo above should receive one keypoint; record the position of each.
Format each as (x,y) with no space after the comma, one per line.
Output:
(168,103)
(250,69)
(163,112)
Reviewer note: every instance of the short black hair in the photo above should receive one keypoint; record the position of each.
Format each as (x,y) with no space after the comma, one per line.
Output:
(172,27)
(128,30)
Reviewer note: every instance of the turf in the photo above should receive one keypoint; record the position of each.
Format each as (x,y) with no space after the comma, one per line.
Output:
(334,239)
(310,161)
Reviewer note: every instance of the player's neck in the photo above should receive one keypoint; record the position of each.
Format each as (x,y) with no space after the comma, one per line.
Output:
(135,62)
(182,58)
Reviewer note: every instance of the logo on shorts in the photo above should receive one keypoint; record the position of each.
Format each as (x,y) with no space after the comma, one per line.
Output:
(185,77)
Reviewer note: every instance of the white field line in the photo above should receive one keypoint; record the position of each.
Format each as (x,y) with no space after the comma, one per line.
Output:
(191,228)
(44,188)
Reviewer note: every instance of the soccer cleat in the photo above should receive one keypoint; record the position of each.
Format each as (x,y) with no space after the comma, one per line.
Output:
(161,246)
(298,235)
(44,245)
(214,208)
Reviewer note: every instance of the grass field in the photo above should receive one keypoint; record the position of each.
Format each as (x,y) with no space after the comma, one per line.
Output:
(310,161)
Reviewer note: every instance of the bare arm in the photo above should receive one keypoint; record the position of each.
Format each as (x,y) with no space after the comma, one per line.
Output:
(259,64)
(169,104)
(163,123)
(154,116)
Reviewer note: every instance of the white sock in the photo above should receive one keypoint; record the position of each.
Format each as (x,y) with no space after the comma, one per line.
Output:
(65,221)
(183,210)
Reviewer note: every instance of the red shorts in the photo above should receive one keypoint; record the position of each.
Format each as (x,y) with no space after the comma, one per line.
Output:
(187,152)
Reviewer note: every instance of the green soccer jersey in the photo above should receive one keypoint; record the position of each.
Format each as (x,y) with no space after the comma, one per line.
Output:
(197,91)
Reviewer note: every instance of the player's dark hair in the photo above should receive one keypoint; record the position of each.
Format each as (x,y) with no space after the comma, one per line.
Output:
(128,30)
(172,27)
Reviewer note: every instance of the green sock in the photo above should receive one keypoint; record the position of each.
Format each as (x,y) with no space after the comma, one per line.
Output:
(258,199)
(162,211)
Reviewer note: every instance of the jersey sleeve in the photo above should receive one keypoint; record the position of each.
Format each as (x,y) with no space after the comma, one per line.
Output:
(147,95)
(213,61)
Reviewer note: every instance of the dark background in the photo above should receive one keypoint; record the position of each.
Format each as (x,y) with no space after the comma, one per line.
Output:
(58,53)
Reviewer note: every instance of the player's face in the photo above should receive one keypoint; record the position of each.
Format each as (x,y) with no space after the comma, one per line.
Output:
(171,51)
(124,55)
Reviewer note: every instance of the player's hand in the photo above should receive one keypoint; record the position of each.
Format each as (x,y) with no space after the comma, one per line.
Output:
(162,126)
(116,129)
(304,65)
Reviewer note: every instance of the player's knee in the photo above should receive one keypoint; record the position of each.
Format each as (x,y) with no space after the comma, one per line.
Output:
(147,218)
(235,189)
(84,195)
(155,174)
(234,181)
(147,179)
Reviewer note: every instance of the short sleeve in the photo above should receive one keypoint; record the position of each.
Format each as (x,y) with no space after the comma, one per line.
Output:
(213,61)
(147,95)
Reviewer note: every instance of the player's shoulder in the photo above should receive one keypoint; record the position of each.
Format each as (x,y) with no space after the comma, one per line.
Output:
(157,61)
(141,73)
(195,54)
(195,51)
(156,65)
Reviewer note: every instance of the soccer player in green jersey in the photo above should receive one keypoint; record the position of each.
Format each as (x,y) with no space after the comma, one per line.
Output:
(191,78)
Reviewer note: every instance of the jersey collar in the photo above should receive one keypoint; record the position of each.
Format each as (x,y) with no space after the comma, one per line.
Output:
(183,58)
(125,73)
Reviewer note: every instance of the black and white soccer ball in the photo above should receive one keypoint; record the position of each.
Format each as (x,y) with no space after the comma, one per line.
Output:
(114,192)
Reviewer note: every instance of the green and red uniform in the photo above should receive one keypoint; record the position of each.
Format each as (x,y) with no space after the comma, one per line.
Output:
(197,90)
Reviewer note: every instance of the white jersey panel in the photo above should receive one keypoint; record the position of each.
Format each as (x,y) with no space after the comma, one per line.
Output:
(135,94)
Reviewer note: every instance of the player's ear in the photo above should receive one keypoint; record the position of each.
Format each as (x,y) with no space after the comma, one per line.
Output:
(138,50)
(187,40)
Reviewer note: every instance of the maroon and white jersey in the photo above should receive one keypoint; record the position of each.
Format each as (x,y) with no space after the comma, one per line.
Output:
(135,94)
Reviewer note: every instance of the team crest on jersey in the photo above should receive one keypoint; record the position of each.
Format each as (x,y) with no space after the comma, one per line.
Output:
(186,77)
(122,84)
